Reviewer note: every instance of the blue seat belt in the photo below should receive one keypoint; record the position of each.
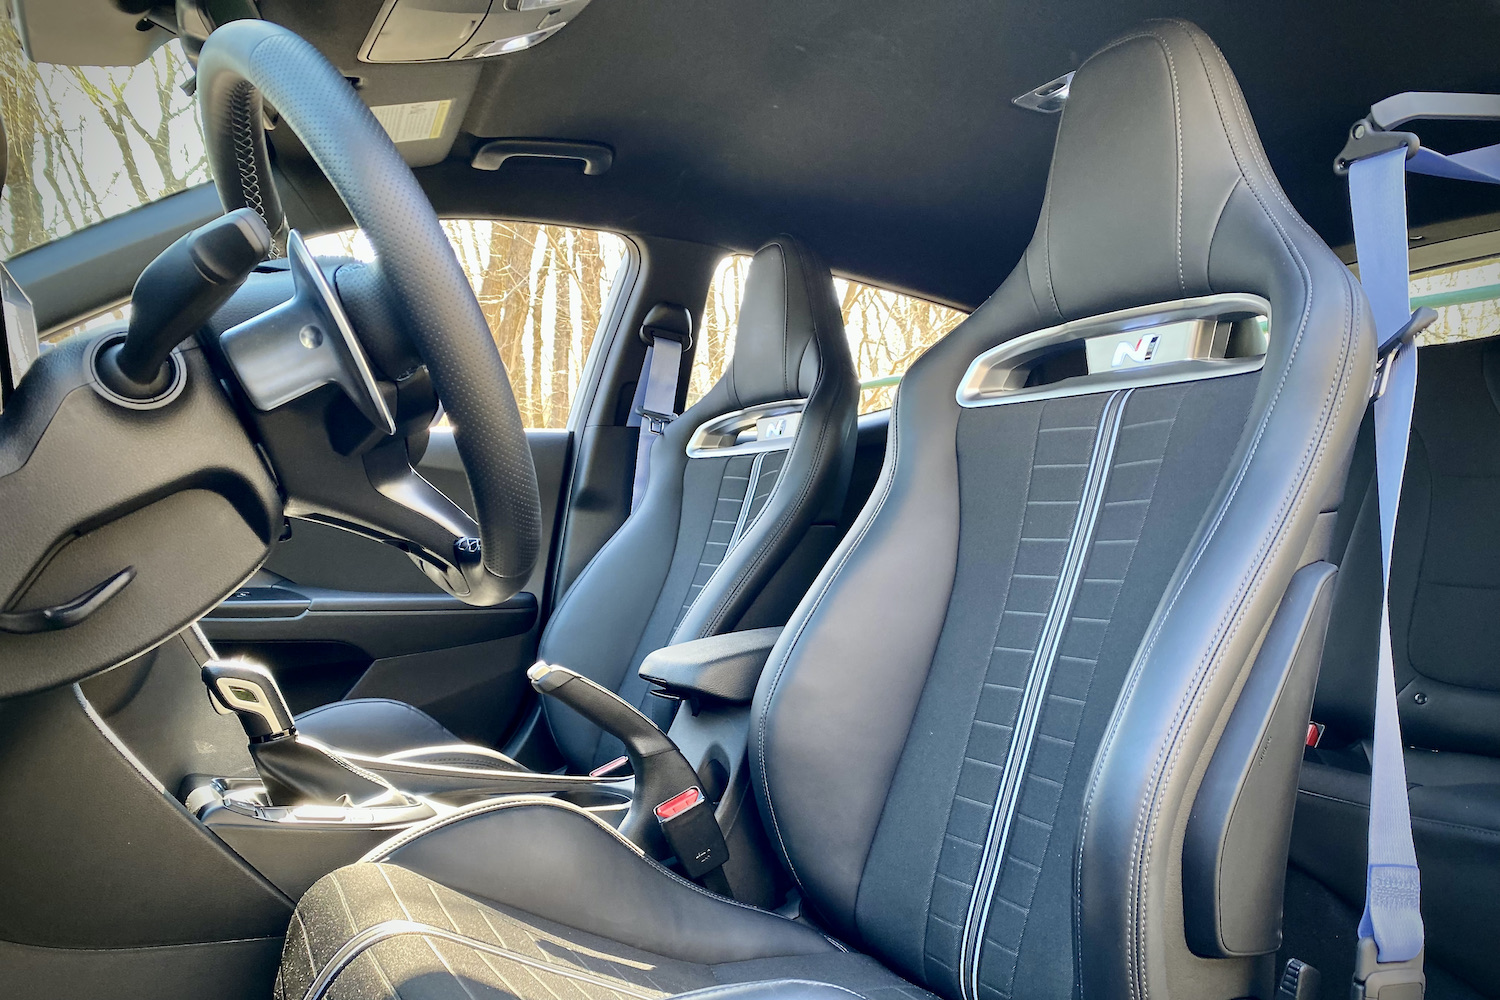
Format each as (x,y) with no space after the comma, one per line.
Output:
(653,407)
(1390,930)
(1388,963)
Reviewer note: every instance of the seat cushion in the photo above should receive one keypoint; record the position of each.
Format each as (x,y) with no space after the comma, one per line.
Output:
(373,726)
(430,919)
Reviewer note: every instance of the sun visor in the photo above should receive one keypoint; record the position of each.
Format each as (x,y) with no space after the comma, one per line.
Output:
(84,33)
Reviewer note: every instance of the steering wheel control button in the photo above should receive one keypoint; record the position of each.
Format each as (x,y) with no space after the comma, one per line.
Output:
(306,342)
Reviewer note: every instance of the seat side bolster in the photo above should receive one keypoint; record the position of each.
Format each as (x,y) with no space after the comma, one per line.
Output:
(555,860)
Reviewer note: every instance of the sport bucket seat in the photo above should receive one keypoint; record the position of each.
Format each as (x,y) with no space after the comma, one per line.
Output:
(701,553)
(1034,731)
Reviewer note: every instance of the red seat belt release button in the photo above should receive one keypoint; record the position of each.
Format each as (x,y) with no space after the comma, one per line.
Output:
(687,821)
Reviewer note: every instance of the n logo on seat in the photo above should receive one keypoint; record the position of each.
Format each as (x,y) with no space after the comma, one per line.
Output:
(1138,353)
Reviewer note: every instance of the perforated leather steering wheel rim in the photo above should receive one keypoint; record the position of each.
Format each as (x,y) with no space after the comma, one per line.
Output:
(245,61)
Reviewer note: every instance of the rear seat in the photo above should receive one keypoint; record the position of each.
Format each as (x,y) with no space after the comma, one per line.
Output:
(1445,626)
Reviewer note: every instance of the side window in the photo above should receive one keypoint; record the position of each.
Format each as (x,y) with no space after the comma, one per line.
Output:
(542,289)
(1466,297)
(90,142)
(887,332)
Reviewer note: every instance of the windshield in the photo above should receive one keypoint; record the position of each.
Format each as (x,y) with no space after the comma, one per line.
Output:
(88,143)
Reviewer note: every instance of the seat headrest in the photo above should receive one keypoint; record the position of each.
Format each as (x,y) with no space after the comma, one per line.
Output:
(1154,140)
(788,306)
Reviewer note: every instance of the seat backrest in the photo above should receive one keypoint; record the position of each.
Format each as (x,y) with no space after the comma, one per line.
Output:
(721,513)
(978,741)
(1445,571)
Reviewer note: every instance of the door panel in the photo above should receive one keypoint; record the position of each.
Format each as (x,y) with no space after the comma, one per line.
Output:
(335,615)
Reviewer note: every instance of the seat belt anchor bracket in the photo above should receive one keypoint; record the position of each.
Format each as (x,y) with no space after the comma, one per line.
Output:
(1420,320)
(1377,980)
(1403,338)
(650,334)
(1368,139)
(656,422)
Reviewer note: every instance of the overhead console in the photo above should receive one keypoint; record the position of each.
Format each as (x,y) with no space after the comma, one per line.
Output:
(441,30)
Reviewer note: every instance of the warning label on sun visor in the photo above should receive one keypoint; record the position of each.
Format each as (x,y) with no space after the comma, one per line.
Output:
(413,122)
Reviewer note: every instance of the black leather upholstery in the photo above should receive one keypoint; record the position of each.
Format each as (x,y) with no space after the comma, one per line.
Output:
(977,741)
(670,573)
(1445,628)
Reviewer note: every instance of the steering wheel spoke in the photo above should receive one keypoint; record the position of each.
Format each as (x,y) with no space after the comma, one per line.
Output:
(306,342)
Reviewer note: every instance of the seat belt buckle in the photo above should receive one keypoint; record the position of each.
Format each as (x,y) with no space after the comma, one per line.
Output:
(687,821)
(1420,320)
(1377,980)
(655,422)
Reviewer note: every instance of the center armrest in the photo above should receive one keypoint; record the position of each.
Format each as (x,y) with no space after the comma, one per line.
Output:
(722,668)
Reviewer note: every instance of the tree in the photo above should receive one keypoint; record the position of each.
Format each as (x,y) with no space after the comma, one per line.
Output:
(89,143)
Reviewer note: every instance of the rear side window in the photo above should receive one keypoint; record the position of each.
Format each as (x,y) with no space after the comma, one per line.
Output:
(543,291)
(887,332)
(1466,297)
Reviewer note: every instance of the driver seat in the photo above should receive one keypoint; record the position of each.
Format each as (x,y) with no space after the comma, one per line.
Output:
(704,551)
(978,744)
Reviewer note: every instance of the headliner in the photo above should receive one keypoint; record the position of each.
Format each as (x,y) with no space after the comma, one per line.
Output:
(881,131)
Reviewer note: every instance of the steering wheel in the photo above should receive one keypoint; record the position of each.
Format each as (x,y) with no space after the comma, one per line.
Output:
(415,295)
(145,475)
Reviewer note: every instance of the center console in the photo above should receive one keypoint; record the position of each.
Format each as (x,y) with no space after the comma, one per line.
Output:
(313,808)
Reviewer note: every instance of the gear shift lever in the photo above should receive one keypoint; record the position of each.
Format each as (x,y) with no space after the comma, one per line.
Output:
(295,771)
(248,690)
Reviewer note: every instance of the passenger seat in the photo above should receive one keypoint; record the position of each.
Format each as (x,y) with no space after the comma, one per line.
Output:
(1445,630)
(737,484)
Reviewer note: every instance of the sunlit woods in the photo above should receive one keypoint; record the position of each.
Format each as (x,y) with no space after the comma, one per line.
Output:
(1470,320)
(89,143)
(887,330)
(542,289)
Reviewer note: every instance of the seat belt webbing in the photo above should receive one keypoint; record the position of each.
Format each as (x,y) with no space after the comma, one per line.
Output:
(1392,918)
(1377,194)
(653,407)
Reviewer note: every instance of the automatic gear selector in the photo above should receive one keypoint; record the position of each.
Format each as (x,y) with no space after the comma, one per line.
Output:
(296,771)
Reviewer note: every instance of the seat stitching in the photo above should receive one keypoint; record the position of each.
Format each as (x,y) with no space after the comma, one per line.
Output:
(354,929)
(1253,449)
(390,929)
(382,853)
(708,991)
(1150,807)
